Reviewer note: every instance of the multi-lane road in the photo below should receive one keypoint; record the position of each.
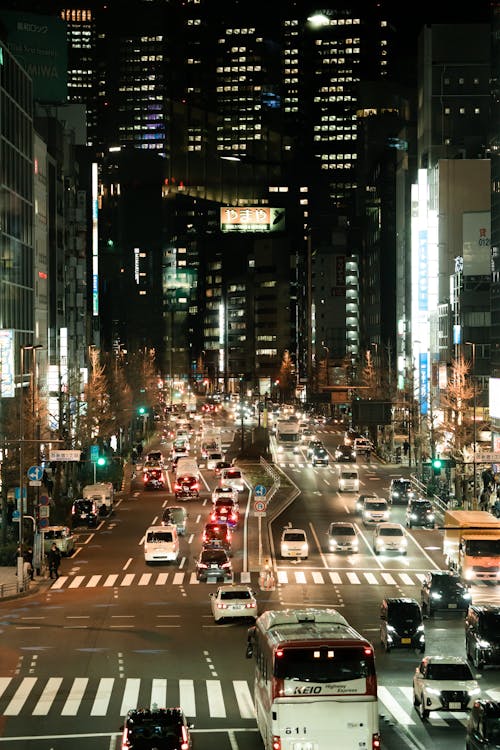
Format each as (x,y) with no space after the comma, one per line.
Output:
(113,633)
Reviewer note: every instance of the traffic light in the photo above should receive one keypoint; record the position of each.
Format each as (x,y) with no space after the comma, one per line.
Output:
(437,465)
(141,410)
(102,461)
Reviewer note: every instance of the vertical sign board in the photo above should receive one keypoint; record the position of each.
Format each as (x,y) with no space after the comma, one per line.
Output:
(7,382)
(424,381)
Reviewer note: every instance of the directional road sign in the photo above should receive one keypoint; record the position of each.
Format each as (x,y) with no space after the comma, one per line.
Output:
(260,490)
(15,515)
(35,473)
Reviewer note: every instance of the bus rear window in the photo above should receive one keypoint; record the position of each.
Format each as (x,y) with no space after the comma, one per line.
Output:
(323,664)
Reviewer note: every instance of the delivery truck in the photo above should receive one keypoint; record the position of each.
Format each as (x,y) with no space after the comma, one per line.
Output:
(471,544)
(103,494)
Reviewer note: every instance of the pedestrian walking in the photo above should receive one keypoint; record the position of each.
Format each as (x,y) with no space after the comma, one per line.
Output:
(28,562)
(54,560)
(484,499)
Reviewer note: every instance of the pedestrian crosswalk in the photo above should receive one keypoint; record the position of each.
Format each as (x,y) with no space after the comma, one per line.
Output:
(211,698)
(284,577)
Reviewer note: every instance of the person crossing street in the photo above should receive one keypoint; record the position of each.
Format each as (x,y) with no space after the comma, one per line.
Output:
(54,560)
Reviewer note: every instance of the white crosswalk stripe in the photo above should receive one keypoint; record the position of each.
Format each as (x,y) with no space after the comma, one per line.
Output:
(284,577)
(110,696)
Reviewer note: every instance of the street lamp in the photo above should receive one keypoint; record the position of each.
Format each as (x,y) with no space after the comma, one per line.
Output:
(473,378)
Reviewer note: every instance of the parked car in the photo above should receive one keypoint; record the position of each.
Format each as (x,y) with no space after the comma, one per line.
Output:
(61,536)
(175,515)
(401,624)
(482,635)
(400,491)
(342,537)
(294,543)
(389,537)
(419,512)
(213,563)
(443,590)
(443,683)
(483,727)
(151,729)
(232,601)
(84,512)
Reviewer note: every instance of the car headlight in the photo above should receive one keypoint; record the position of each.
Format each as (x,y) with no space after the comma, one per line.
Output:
(355,546)
(395,494)
(433,691)
(413,516)
(391,629)
(420,628)
(468,575)
(333,542)
(380,544)
(431,516)
(467,595)
(404,542)
(304,548)
(436,595)
(474,691)
(484,644)
(284,546)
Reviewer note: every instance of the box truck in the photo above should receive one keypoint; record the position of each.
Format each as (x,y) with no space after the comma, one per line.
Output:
(471,544)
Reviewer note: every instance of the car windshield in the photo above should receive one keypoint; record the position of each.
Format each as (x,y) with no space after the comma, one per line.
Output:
(349,475)
(303,665)
(380,505)
(176,514)
(391,531)
(401,486)
(446,583)
(421,507)
(159,537)
(490,624)
(449,672)
(228,595)
(341,531)
(492,730)
(405,614)
(214,556)
(483,547)
(233,475)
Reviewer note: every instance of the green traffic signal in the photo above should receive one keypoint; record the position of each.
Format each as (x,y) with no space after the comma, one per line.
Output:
(141,410)
(101,461)
(437,465)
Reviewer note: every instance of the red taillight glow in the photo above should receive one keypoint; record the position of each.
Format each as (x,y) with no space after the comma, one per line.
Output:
(184,743)
(276,743)
(125,742)
(279,653)
(376,744)
(251,605)
(368,651)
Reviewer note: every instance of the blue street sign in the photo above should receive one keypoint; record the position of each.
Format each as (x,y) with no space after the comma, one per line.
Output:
(35,473)
(16,515)
(260,490)
(94,453)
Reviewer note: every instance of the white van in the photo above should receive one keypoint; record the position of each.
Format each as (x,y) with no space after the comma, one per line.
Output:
(232,477)
(186,465)
(161,544)
(103,495)
(348,480)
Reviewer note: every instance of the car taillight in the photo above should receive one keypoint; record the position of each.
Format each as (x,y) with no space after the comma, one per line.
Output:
(177,487)
(276,743)
(376,744)
(226,565)
(213,517)
(234,516)
(146,478)
(125,742)
(222,606)
(202,565)
(250,605)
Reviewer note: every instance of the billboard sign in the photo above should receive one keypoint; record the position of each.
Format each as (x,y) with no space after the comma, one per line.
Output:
(476,233)
(38,43)
(7,375)
(252,219)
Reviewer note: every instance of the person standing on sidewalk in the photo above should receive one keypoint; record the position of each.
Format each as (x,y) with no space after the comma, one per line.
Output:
(28,560)
(54,560)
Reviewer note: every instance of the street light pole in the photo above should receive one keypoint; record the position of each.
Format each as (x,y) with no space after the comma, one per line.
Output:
(473,378)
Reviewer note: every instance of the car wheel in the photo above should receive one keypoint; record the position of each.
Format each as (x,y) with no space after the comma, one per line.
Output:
(424,712)
(477,661)
(415,700)
(422,649)
(376,551)
(387,648)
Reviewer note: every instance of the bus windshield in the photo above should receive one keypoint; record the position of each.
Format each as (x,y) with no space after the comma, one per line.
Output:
(323,664)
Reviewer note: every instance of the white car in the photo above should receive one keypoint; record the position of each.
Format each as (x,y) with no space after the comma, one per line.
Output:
(233,601)
(161,544)
(294,543)
(375,510)
(225,493)
(342,537)
(232,477)
(444,683)
(390,537)
(213,459)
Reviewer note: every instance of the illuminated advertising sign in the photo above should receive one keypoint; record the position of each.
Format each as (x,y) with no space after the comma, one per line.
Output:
(39,44)
(95,242)
(476,230)
(252,219)
(424,381)
(494,394)
(7,376)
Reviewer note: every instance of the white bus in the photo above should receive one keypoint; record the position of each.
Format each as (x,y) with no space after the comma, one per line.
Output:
(315,682)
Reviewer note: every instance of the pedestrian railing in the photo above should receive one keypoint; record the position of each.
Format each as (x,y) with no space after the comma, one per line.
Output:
(16,587)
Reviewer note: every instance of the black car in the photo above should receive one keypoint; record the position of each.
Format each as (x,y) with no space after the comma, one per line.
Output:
(213,563)
(345,454)
(187,486)
(156,729)
(483,727)
(84,513)
(419,512)
(401,624)
(442,590)
(401,491)
(154,479)
(482,635)
(313,446)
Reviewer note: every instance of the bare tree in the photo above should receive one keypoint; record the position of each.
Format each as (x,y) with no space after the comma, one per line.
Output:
(97,422)
(287,377)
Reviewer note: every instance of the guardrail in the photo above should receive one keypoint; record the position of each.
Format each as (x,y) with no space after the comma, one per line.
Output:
(14,588)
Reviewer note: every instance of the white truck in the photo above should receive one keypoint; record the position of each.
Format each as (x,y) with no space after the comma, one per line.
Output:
(103,494)
(211,441)
(288,435)
(471,544)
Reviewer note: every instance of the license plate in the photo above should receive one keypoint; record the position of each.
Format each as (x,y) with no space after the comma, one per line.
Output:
(405,640)
(454,706)
(452,606)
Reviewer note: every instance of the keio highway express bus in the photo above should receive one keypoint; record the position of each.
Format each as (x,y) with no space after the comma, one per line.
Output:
(315,682)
